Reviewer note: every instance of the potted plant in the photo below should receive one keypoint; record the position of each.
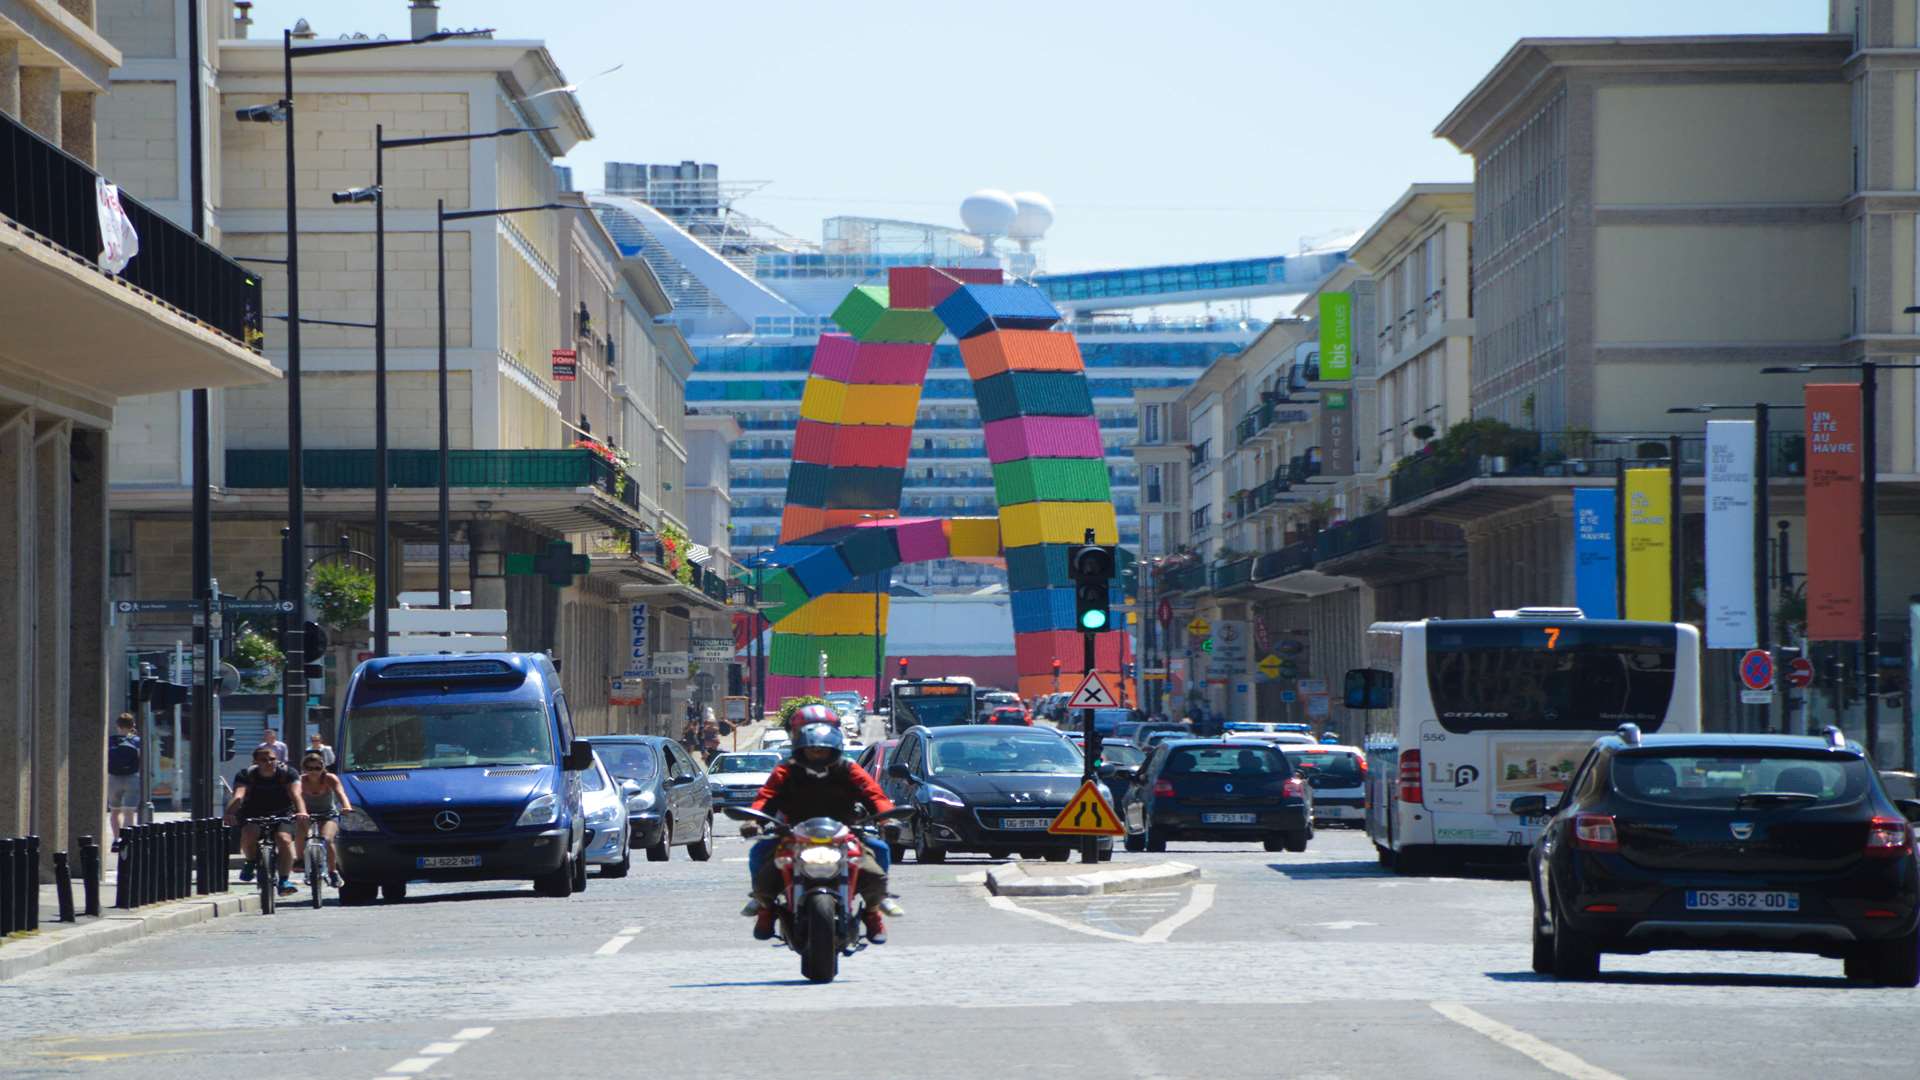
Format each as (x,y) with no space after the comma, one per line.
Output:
(1423,432)
(342,594)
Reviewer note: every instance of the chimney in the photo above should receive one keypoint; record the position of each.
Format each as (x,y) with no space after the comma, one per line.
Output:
(426,18)
(242,18)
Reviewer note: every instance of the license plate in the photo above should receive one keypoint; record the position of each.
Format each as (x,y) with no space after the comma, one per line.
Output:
(446,862)
(1228,819)
(1739,900)
(1025,823)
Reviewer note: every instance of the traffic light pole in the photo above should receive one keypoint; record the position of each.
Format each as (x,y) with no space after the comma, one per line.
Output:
(1090,846)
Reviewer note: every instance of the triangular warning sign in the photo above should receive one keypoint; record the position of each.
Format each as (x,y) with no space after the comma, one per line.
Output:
(1093,694)
(1087,814)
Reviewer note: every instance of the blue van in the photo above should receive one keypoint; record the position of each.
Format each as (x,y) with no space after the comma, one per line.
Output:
(460,768)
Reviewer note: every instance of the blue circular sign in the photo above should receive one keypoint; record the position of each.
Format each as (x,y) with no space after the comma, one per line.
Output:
(1756,669)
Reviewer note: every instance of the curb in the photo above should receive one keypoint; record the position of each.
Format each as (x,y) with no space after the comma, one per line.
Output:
(1013,880)
(114,928)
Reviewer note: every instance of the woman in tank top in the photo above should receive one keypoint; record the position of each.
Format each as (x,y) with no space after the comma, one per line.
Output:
(326,799)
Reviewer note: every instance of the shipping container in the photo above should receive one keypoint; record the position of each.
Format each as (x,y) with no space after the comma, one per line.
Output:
(1040,610)
(917,539)
(823,399)
(972,537)
(1057,523)
(848,655)
(1050,479)
(813,441)
(1043,436)
(1035,651)
(927,286)
(1037,566)
(820,570)
(991,354)
(807,484)
(833,357)
(797,522)
(1031,393)
(838,613)
(874,447)
(870,551)
(851,487)
(976,309)
(896,363)
(782,687)
(862,307)
(883,406)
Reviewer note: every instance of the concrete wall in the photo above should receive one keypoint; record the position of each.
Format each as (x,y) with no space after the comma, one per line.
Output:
(336,282)
(334,144)
(139,147)
(140,29)
(146,439)
(1720,283)
(1696,144)
(337,408)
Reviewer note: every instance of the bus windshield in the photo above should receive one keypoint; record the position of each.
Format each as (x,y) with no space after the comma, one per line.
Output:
(932,706)
(1514,675)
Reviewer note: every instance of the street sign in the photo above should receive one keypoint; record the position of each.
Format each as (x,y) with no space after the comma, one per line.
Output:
(1154,676)
(558,564)
(1756,697)
(1312,686)
(670,665)
(1270,666)
(627,692)
(736,709)
(1800,672)
(1230,642)
(1261,638)
(1093,694)
(1289,696)
(1207,646)
(1086,814)
(1756,669)
(260,607)
(1165,612)
(129,607)
(1199,627)
(1316,704)
(1288,669)
(717,650)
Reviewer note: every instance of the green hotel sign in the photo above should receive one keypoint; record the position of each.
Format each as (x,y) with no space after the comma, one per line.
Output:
(1336,337)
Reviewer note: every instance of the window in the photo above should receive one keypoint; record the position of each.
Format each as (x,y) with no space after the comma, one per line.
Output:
(1202,517)
(1154,492)
(1150,424)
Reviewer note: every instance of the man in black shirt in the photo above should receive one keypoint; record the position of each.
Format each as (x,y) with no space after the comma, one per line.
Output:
(268,789)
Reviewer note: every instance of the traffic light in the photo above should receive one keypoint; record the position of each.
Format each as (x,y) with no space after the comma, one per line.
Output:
(1056,665)
(1091,566)
(227,747)
(164,695)
(166,743)
(313,643)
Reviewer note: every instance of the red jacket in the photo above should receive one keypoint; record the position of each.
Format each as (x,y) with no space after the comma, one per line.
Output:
(798,795)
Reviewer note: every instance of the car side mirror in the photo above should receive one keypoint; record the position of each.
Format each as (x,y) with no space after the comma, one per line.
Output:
(899,771)
(1530,806)
(630,787)
(1139,775)
(1909,807)
(1368,688)
(579,756)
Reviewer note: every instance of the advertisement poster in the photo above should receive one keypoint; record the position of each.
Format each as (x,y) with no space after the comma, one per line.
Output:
(1649,546)
(1833,499)
(1336,337)
(1732,622)
(1596,581)
(1534,768)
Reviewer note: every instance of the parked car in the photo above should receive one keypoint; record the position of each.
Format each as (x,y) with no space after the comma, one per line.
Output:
(875,758)
(736,777)
(1228,790)
(669,802)
(987,789)
(1338,776)
(1777,842)
(608,840)
(987,701)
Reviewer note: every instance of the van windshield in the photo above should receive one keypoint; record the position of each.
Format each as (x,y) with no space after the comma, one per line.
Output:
(446,736)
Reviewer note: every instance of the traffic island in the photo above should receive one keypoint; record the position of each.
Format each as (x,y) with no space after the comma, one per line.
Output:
(1066,879)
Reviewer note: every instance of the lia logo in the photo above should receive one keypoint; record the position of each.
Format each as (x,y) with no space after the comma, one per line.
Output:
(1459,775)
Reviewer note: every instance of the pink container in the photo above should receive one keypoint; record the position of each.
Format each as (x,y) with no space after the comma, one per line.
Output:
(833,357)
(880,362)
(1043,436)
(921,540)
(786,686)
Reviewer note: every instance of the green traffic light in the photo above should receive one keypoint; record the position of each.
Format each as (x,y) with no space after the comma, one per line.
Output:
(1093,620)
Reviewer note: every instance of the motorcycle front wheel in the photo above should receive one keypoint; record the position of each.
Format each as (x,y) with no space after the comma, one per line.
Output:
(819,933)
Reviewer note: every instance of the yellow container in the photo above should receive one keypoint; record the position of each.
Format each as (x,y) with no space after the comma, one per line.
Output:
(826,400)
(1058,523)
(837,613)
(976,537)
(885,405)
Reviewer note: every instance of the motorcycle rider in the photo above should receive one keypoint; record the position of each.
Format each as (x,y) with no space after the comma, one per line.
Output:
(818,781)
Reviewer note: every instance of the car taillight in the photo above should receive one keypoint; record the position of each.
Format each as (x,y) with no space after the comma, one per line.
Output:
(1163,787)
(1410,777)
(1595,832)
(1889,838)
(1294,788)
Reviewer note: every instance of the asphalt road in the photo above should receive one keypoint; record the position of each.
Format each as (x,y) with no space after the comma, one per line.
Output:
(1310,965)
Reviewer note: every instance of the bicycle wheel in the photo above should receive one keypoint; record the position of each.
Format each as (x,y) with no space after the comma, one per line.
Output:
(316,871)
(269,877)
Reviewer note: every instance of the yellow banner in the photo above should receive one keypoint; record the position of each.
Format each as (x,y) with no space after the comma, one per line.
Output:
(1649,546)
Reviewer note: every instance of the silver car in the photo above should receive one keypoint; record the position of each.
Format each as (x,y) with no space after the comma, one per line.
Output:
(609,844)
(736,777)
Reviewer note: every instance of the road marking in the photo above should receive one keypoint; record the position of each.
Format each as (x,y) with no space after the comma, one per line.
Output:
(1005,903)
(977,877)
(433,1053)
(1343,924)
(414,1065)
(1197,904)
(620,941)
(469,1034)
(440,1049)
(1546,1054)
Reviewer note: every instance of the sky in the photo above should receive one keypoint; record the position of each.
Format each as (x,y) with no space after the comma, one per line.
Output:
(1162,132)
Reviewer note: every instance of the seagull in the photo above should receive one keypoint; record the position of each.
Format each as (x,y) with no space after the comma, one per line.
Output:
(572,87)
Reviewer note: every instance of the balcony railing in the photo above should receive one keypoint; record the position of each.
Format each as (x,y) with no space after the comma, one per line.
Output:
(1287,560)
(421,469)
(1186,578)
(1578,454)
(51,193)
(1346,538)
(1228,575)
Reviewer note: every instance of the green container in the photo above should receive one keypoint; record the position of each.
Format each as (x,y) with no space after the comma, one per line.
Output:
(905,326)
(1051,480)
(861,309)
(798,655)
(781,591)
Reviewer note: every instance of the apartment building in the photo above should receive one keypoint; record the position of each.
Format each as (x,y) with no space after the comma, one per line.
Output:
(71,317)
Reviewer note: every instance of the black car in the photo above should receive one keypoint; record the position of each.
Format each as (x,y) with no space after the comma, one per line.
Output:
(1761,842)
(1136,731)
(1218,789)
(986,789)
(1119,763)
(669,802)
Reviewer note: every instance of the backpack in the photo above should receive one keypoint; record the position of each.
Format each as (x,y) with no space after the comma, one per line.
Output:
(123,757)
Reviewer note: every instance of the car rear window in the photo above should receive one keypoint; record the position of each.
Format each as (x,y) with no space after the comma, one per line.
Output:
(1333,768)
(1724,780)
(1224,761)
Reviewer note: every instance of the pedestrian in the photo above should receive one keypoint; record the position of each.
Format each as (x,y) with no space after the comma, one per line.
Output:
(317,745)
(710,740)
(123,775)
(271,738)
(690,736)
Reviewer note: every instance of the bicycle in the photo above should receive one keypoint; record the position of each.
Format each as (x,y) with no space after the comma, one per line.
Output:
(314,858)
(266,862)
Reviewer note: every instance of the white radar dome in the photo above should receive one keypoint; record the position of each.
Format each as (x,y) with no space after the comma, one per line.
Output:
(988,212)
(1034,216)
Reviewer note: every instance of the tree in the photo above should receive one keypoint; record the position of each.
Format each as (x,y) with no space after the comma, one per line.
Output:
(342,595)
(789,706)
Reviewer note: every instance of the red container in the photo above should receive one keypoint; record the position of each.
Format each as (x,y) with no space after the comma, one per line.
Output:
(833,357)
(1036,652)
(888,363)
(813,441)
(926,286)
(874,447)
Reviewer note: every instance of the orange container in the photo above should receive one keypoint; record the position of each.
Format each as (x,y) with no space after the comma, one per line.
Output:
(801,521)
(1020,350)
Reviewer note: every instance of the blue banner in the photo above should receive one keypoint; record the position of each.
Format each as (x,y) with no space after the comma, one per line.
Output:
(1595,577)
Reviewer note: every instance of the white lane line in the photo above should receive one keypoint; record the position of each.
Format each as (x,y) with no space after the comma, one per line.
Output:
(414,1065)
(1546,1054)
(469,1034)
(619,941)
(434,1053)
(1343,924)
(440,1049)
(1005,903)
(1197,905)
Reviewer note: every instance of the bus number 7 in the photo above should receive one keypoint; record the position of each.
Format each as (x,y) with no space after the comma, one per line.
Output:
(1553,636)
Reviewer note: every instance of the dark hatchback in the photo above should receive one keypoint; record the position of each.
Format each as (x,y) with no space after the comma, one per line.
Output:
(986,789)
(1756,842)
(669,802)
(1219,790)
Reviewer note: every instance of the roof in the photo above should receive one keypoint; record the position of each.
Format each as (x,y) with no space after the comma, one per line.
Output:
(1411,214)
(948,731)
(1731,742)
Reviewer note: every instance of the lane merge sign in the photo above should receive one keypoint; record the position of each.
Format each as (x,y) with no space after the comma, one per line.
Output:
(1093,694)
(1087,814)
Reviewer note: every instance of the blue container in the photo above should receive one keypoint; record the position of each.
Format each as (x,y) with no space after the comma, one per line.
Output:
(977,309)
(1032,393)
(820,570)
(807,484)
(1039,566)
(1042,609)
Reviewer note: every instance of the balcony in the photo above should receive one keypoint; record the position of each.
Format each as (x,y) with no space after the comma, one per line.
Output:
(1189,578)
(179,315)
(1231,575)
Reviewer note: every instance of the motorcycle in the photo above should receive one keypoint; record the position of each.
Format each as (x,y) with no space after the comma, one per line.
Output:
(818,912)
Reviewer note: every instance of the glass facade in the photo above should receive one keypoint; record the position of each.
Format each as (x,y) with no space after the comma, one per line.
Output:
(1519,274)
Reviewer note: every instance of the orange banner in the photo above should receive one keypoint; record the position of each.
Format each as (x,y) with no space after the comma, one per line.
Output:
(1834,466)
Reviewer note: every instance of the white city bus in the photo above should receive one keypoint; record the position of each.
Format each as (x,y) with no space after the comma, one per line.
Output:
(1469,714)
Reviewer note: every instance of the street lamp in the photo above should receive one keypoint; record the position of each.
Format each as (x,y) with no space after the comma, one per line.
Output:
(294,697)
(442,216)
(376,194)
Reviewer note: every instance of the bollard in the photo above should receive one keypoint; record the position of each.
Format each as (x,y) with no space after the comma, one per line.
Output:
(30,884)
(148,870)
(123,869)
(182,860)
(90,874)
(63,885)
(7,924)
(170,865)
(202,869)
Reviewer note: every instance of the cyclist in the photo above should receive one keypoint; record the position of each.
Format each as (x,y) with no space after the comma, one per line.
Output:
(268,789)
(325,798)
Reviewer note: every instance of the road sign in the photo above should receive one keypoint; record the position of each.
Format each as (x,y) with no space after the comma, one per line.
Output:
(1230,639)
(262,607)
(1756,697)
(1154,676)
(1290,648)
(1800,672)
(1316,704)
(1289,696)
(1261,638)
(558,564)
(1093,694)
(1165,611)
(129,607)
(627,692)
(1312,686)
(1086,814)
(1199,627)
(1270,666)
(1207,646)
(1756,669)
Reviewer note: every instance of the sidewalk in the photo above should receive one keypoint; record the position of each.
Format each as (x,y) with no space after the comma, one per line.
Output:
(56,941)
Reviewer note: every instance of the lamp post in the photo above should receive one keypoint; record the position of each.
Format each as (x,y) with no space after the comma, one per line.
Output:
(376,194)
(294,682)
(879,659)
(441,217)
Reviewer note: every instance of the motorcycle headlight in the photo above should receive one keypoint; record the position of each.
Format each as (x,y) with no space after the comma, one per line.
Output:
(604,816)
(943,796)
(357,820)
(820,862)
(544,810)
(642,801)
